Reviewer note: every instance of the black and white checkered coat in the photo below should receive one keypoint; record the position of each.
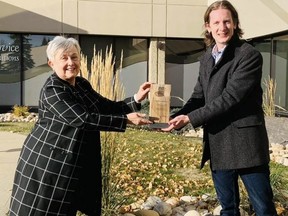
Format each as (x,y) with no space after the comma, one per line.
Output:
(59,169)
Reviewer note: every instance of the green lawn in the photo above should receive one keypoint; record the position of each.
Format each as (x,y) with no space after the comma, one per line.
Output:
(19,127)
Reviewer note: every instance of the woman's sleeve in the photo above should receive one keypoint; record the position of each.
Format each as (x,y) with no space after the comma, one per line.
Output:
(61,102)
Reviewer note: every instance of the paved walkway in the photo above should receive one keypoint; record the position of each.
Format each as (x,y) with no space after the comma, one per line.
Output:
(10,146)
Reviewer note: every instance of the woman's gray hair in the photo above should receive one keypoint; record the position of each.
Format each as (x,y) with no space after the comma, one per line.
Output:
(60,42)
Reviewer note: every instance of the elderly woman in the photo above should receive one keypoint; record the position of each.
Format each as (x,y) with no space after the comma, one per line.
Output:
(59,169)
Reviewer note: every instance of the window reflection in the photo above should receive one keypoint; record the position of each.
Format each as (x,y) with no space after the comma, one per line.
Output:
(135,57)
(264,47)
(275,66)
(182,67)
(10,62)
(35,67)
(281,71)
(183,51)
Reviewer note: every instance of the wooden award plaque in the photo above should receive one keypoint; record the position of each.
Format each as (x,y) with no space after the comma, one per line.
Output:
(160,105)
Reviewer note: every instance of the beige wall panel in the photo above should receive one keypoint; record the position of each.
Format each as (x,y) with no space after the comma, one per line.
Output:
(262,17)
(159,20)
(183,18)
(114,18)
(122,1)
(185,21)
(160,2)
(30,16)
(70,16)
(188,2)
(209,2)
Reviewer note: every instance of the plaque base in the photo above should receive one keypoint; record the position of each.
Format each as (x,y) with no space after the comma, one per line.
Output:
(158,125)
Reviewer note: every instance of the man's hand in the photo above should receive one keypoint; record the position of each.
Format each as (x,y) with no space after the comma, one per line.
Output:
(177,123)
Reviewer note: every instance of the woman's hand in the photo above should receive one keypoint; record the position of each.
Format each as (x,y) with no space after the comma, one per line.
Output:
(137,119)
(143,91)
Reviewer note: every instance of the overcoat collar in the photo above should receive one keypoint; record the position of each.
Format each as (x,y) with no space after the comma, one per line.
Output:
(228,54)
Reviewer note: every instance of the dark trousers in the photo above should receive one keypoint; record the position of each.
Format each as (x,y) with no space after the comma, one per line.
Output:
(257,184)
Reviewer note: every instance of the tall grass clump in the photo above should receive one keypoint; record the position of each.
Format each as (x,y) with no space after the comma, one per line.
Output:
(105,80)
(269,97)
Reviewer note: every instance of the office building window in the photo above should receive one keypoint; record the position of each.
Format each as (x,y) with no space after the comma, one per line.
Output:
(10,65)
(35,67)
(275,66)
(182,67)
(135,62)
(264,47)
(135,57)
(280,59)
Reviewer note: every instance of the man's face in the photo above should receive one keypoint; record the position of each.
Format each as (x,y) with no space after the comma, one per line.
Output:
(66,64)
(221,26)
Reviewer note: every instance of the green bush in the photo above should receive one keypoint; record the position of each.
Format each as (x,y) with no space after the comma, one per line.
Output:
(20,110)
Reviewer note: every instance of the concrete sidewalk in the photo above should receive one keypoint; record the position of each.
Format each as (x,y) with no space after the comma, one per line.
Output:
(10,146)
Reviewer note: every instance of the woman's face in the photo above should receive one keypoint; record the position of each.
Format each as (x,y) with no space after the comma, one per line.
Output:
(221,26)
(66,64)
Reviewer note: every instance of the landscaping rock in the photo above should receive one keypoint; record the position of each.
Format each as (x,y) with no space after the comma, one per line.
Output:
(277,128)
(10,117)
(173,202)
(163,209)
(192,213)
(151,202)
(217,211)
(146,213)
(188,199)
(194,207)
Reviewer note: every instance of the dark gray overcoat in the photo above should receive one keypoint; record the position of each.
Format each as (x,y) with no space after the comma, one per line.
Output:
(227,102)
(59,169)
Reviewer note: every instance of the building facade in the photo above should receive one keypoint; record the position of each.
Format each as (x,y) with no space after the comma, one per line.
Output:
(161,41)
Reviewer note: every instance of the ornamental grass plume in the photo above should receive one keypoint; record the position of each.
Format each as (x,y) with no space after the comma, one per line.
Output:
(105,80)
(269,97)
(269,103)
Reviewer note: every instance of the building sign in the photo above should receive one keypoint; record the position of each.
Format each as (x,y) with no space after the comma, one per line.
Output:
(10,51)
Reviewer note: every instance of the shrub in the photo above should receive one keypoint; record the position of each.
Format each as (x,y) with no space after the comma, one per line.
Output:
(20,111)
